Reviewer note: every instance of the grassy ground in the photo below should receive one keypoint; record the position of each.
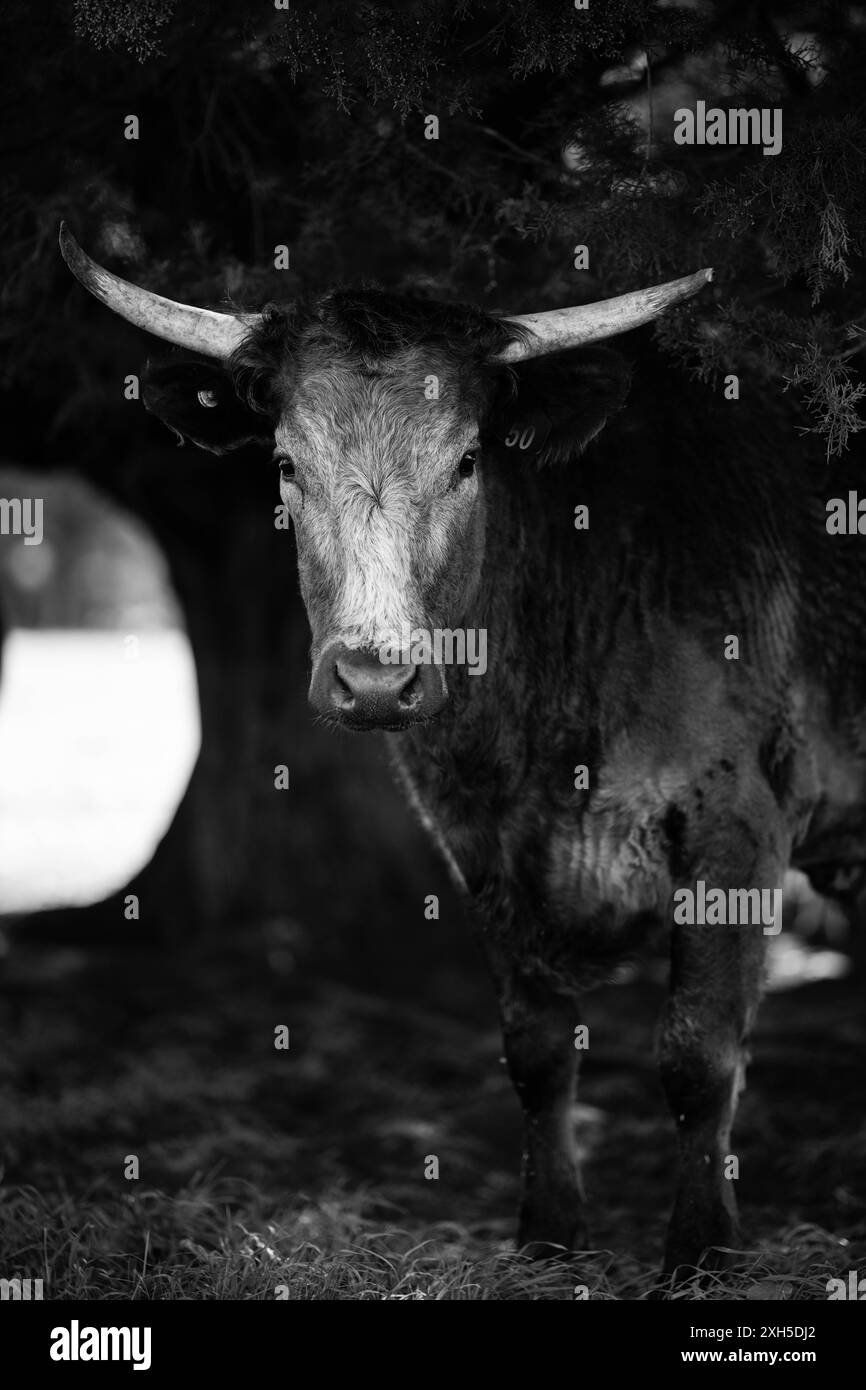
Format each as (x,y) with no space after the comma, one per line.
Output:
(304,1170)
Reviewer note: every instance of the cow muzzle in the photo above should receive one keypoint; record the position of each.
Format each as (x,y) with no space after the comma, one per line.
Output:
(354,689)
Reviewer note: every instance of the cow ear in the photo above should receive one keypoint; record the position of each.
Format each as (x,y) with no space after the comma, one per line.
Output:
(198,401)
(559,405)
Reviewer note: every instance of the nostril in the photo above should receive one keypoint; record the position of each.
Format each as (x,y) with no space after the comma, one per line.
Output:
(342,690)
(411,692)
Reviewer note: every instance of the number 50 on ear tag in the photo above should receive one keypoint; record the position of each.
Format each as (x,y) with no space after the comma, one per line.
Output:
(526,434)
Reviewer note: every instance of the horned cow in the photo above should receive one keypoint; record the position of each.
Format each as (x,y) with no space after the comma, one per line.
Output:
(611,757)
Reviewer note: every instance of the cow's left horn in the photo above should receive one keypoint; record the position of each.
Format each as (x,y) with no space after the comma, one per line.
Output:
(556,330)
(200,330)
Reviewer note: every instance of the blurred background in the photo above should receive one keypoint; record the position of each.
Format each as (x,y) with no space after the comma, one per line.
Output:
(154,668)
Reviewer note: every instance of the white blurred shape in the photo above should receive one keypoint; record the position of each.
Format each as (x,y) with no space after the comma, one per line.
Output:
(95,754)
(790,963)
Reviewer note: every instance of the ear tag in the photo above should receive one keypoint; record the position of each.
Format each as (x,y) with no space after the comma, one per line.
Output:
(206,398)
(527,433)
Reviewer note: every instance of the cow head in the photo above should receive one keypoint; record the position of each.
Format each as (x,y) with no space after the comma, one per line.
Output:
(381,411)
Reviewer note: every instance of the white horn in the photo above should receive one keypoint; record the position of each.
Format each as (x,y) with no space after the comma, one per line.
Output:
(200,330)
(557,330)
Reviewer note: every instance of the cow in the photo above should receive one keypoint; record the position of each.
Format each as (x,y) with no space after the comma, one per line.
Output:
(670,708)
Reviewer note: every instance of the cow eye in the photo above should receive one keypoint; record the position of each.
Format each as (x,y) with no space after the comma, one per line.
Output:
(287,468)
(466,467)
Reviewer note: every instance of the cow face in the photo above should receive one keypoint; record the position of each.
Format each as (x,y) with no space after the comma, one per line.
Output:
(383,437)
(377,406)
(380,471)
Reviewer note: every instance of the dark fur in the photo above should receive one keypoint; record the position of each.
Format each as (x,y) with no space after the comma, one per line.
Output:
(606,648)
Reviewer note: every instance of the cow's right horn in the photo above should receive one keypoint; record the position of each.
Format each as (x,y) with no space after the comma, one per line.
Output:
(201,330)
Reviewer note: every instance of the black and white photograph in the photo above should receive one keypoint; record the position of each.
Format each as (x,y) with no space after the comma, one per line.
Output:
(433,668)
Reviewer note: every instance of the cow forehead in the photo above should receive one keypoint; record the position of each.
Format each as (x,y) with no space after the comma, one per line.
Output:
(418,405)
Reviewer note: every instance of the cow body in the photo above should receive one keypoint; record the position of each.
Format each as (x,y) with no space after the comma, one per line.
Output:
(606,648)
(674,693)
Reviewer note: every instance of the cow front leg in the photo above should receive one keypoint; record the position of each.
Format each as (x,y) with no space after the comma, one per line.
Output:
(538,1027)
(716,977)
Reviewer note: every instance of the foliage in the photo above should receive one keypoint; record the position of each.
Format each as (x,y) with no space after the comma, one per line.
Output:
(132,25)
(305,125)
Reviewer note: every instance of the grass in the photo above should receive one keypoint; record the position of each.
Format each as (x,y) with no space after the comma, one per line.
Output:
(217,1240)
(304,1169)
